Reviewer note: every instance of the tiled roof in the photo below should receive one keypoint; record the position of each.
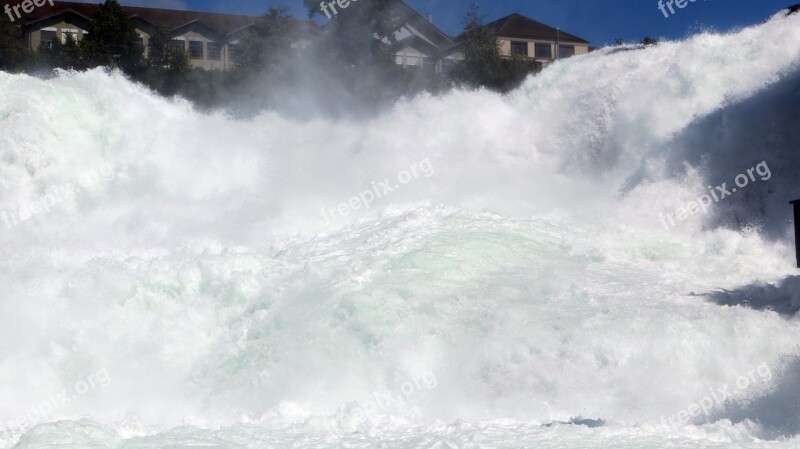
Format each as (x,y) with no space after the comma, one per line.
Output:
(169,18)
(519,26)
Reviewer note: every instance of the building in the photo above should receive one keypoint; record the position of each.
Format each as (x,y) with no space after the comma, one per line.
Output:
(209,39)
(522,36)
(419,43)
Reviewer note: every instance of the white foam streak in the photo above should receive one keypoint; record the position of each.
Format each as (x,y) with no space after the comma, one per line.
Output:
(530,273)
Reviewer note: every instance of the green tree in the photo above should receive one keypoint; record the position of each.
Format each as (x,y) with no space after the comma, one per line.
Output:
(112,40)
(263,54)
(266,43)
(352,32)
(166,68)
(13,51)
(354,53)
(650,41)
(64,56)
(482,57)
(483,63)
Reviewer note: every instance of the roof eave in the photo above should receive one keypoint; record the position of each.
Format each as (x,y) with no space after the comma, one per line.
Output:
(60,13)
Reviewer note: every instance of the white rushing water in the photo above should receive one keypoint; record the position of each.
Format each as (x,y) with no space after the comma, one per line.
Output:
(169,279)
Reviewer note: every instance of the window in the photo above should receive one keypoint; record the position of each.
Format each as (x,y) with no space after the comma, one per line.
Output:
(398,59)
(447,65)
(233,52)
(66,34)
(140,41)
(150,47)
(413,61)
(196,49)
(565,51)
(214,51)
(47,38)
(519,48)
(429,65)
(544,51)
(178,45)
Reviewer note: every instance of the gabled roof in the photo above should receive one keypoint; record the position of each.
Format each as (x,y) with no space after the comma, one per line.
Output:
(423,25)
(169,18)
(195,23)
(27,18)
(517,25)
(417,43)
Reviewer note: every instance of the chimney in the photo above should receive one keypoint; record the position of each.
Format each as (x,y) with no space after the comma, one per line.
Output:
(430,18)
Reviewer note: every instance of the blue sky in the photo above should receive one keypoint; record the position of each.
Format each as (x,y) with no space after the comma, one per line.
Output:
(598,21)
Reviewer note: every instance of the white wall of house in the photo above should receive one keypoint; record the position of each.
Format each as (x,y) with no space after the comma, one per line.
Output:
(205,59)
(198,47)
(60,30)
(409,57)
(505,44)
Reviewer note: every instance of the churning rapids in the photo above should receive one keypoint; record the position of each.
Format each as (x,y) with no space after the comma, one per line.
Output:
(168,279)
